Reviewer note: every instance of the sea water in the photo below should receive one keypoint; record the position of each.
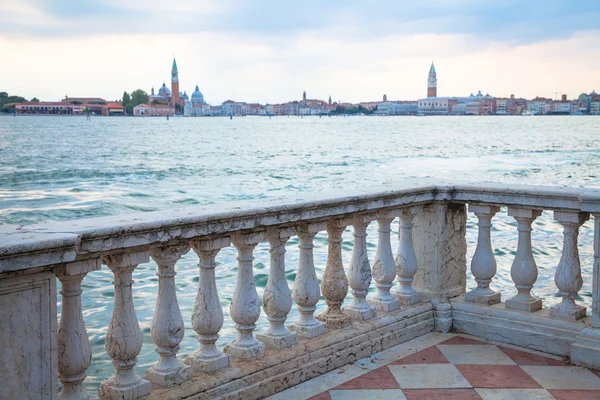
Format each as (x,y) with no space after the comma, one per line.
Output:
(63,168)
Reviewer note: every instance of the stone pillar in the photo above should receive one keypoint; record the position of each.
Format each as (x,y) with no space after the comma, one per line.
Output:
(207,318)
(167,323)
(124,338)
(568,273)
(439,238)
(384,268)
(483,264)
(74,351)
(406,259)
(524,270)
(306,291)
(359,273)
(334,284)
(245,307)
(586,348)
(277,297)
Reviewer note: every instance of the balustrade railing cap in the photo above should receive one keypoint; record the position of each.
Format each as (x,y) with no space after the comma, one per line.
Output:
(55,243)
(590,202)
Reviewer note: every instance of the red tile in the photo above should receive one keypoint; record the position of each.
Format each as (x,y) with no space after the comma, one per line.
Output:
(522,358)
(497,376)
(441,394)
(321,396)
(381,378)
(464,341)
(575,394)
(431,355)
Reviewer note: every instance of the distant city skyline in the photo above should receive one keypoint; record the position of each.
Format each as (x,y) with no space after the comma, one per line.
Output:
(268,54)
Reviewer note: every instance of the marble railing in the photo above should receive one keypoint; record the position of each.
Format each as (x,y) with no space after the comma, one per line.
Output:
(429,265)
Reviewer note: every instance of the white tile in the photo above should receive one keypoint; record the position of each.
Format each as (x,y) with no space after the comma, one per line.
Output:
(563,377)
(412,346)
(467,354)
(513,394)
(371,394)
(428,376)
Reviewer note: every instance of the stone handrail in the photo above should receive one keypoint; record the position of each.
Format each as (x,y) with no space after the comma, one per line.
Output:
(69,250)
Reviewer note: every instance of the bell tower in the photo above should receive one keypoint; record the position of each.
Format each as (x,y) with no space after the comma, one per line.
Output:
(175,100)
(432,82)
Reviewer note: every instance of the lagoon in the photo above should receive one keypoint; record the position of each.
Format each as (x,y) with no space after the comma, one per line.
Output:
(62,168)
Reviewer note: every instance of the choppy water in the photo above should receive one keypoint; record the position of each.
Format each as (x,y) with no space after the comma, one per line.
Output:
(61,168)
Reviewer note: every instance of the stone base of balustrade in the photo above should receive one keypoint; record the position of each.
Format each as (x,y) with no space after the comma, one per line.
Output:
(334,319)
(483,298)
(244,352)
(309,331)
(537,331)
(134,390)
(169,378)
(386,305)
(278,342)
(361,314)
(208,365)
(532,305)
(443,316)
(586,348)
(281,369)
(408,299)
(574,313)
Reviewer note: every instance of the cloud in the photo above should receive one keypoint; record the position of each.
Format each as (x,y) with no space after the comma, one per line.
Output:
(257,67)
(509,20)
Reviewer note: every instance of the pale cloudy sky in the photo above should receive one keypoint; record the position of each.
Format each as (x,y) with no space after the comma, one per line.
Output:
(270,51)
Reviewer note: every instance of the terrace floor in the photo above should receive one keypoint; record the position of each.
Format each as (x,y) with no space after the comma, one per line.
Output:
(449,366)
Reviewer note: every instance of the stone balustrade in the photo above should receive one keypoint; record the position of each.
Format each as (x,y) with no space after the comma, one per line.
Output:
(429,267)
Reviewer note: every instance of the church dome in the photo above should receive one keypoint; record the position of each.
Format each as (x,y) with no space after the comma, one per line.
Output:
(184,96)
(593,93)
(197,96)
(164,91)
(479,95)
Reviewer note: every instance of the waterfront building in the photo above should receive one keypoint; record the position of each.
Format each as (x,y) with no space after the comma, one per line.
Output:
(154,110)
(562,107)
(113,109)
(594,104)
(433,106)
(432,82)
(49,107)
(539,105)
(397,108)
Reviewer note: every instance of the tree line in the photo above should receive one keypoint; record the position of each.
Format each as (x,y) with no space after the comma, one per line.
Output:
(6,102)
(136,98)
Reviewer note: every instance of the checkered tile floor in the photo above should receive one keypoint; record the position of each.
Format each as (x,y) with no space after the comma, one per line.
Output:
(443,367)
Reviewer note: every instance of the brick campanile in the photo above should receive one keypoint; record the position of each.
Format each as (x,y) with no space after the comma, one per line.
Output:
(174,85)
(432,82)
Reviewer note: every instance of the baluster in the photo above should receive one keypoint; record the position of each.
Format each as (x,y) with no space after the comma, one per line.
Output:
(483,264)
(277,297)
(406,259)
(524,270)
(384,268)
(359,273)
(568,273)
(245,307)
(207,318)
(596,274)
(334,284)
(306,290)
(167,324)
(74,351)
(124,338)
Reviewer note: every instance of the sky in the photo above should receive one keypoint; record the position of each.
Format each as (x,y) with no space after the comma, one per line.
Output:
(271,51)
